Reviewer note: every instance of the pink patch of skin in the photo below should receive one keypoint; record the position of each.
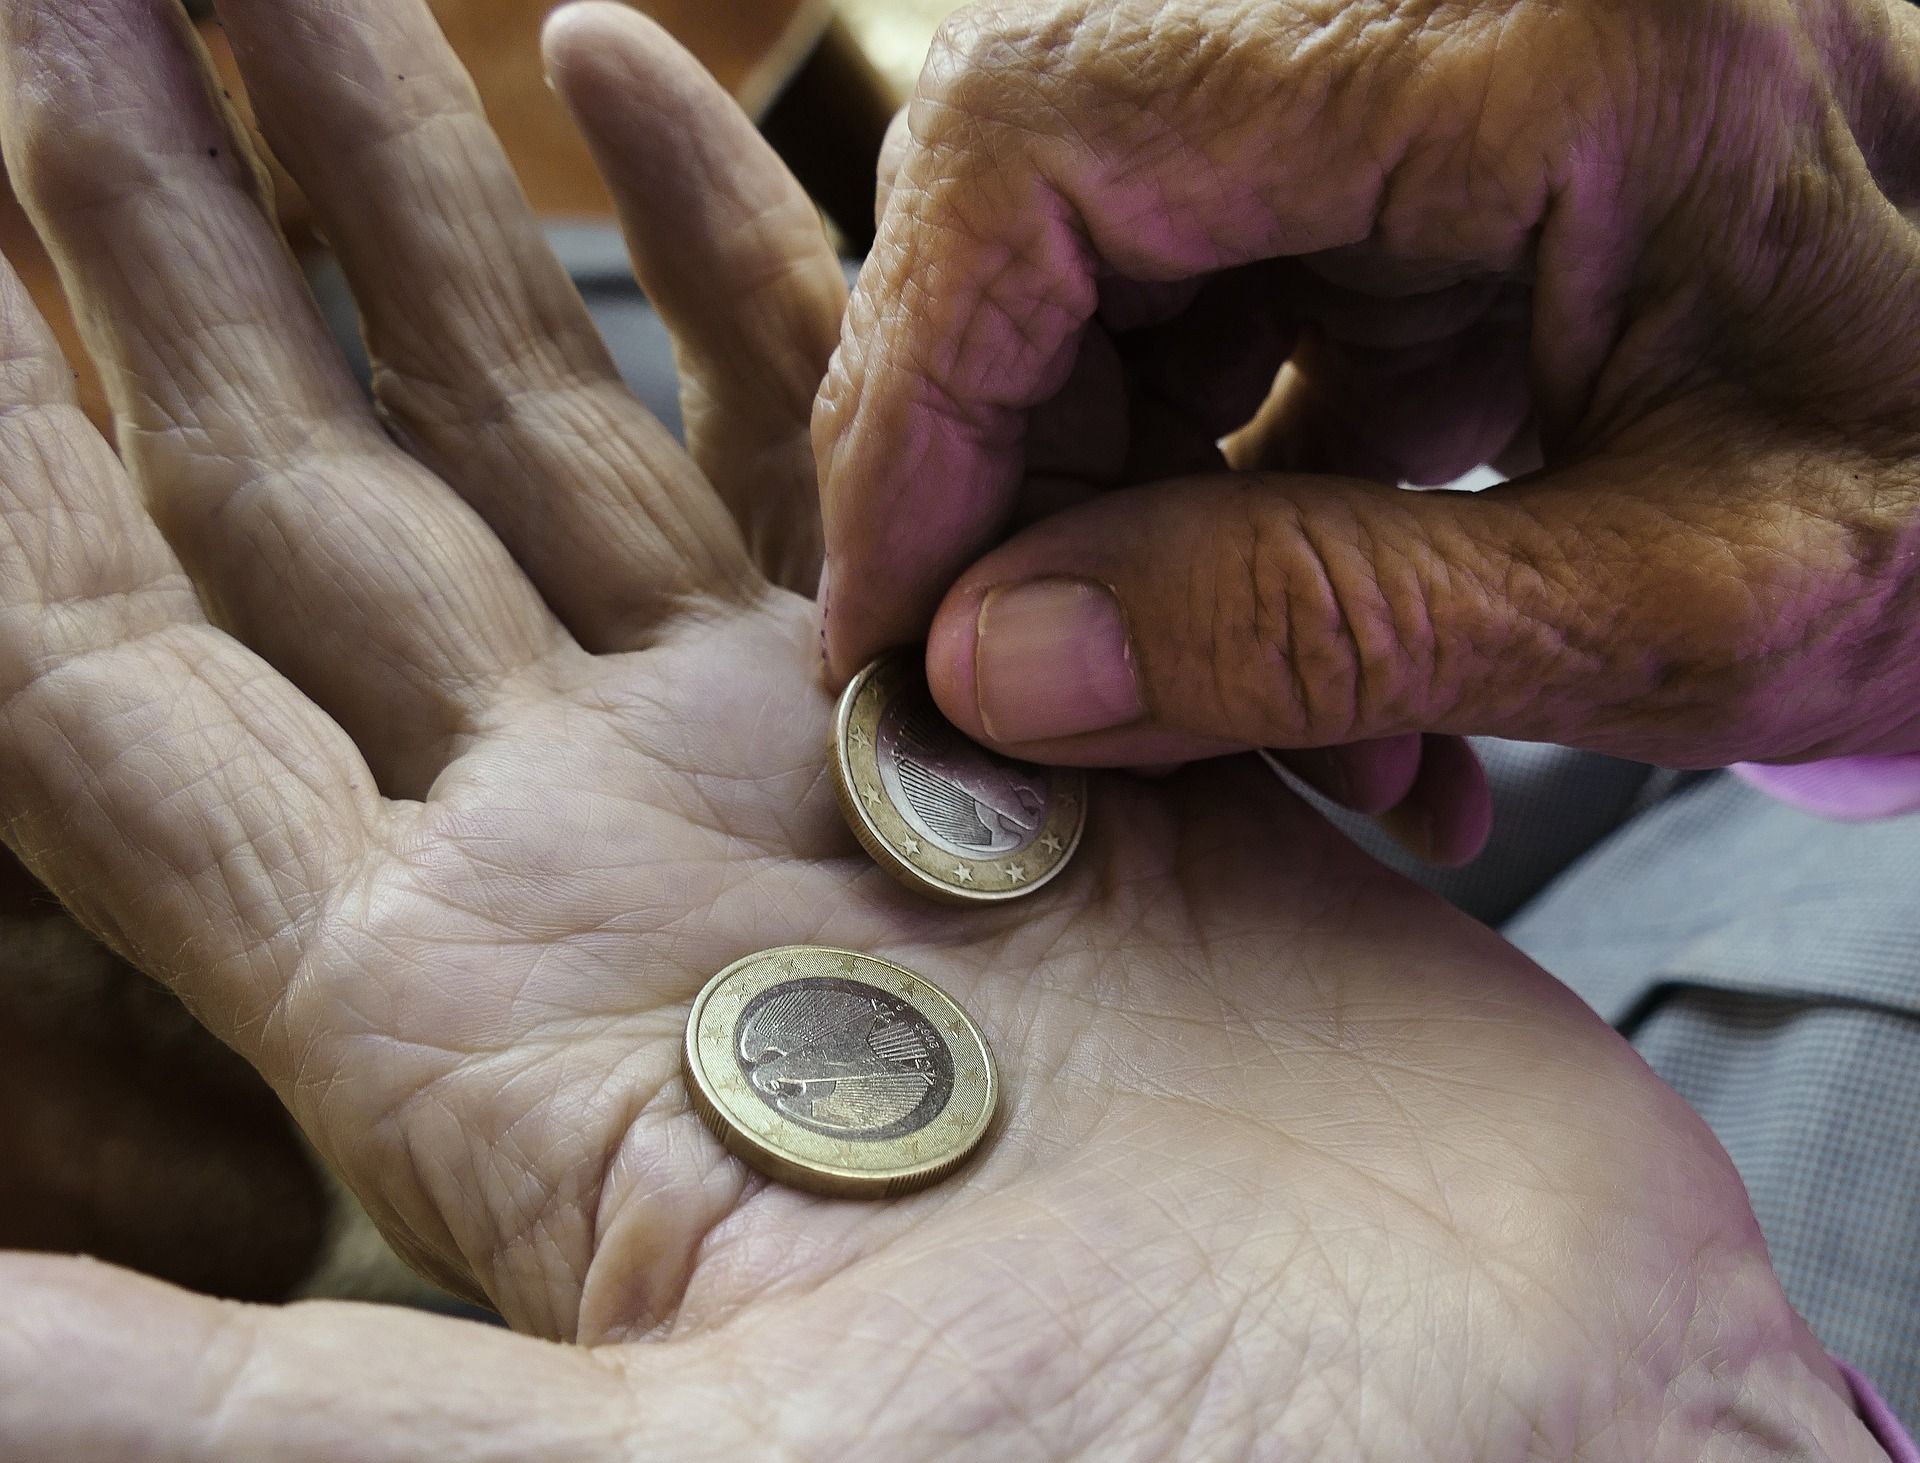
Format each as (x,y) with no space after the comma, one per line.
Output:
(1849,789)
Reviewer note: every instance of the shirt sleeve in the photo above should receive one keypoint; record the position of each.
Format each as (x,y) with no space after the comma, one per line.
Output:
(1851,789)
(1879,1418)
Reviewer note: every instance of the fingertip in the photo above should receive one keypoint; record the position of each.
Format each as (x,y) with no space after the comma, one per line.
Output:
(1463,819)
(1447,816)
(560,38)
(576,34)
(1369,777)
(600,56)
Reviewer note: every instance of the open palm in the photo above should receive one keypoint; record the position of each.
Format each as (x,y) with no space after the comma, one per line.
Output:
(1295,1162)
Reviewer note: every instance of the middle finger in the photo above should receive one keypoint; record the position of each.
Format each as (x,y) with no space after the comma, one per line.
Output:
(485,355)
(315,539)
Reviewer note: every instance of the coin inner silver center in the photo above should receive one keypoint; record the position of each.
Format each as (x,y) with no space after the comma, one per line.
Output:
(950,790)
(844,1058)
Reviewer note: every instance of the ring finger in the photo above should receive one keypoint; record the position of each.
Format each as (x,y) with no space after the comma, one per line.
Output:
(485,356)
(314,538)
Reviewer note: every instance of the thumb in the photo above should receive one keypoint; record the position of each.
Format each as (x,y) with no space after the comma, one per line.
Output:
(1168,622)
(102,1364)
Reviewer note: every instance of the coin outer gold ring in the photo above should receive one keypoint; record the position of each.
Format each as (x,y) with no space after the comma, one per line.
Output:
(884,832)
(841,1168)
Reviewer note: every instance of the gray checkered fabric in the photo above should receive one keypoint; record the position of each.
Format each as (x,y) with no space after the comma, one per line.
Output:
(1765,963)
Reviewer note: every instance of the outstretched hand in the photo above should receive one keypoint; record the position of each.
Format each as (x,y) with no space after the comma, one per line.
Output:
(438,760)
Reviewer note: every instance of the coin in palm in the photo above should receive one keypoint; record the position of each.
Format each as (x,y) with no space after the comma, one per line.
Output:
(838,1072)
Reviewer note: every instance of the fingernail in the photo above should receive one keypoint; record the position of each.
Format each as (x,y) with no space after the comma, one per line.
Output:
(1051,659)
(821,601)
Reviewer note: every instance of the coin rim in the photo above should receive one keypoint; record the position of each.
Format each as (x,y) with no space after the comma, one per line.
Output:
(903,868)
(835,1180)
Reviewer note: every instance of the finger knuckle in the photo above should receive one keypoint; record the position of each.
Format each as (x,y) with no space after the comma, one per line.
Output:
(978,52)
(1011,73)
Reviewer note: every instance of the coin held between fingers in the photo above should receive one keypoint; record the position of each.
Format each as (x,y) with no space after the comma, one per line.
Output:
(942,814)
(839,1073)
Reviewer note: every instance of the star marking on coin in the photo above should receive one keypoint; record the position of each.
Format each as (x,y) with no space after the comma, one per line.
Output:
(963,873)
(870,795)
(1051,843)
(972,1074)
(857,737)
(910,844)
(955,1025)
(1015,871)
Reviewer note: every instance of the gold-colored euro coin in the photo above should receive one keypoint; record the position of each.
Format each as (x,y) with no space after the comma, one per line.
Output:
(838,1072)
(938,811)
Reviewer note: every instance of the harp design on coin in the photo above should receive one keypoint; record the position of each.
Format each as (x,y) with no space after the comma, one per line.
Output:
(839,1058)
(961,796)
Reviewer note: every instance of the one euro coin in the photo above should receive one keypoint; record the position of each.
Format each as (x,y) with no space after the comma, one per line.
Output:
(935,809)
(839,1073)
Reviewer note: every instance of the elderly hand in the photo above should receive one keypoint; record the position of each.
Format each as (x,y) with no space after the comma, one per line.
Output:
(1660,247)
(438,777)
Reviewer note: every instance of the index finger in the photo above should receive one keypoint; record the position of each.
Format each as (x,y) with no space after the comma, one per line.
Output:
(950,338)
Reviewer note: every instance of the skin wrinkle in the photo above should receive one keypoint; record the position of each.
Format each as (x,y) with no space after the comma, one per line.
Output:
(432,395)
(82,189)
(424,1235)
(222,1386)
(1342,599)
(1162,1426)
(1435,653)
(44,681)
(1408,622)
(1097,1359)
(1262,611)
(464,168)
(536,1254)
(1037,327)
(390,117)
(655,1313)
(209,369)
(462,680)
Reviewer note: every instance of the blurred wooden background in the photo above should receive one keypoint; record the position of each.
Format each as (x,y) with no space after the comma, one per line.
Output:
(821,76)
